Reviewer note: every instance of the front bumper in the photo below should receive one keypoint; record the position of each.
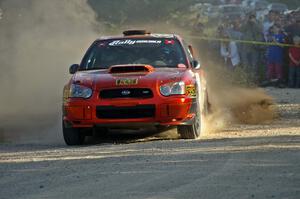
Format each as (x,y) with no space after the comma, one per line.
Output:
(166,111)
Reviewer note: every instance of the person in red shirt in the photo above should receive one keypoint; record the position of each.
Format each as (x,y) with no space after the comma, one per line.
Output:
(294,69)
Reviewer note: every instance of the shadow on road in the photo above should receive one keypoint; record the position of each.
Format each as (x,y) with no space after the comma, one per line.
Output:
(121,136)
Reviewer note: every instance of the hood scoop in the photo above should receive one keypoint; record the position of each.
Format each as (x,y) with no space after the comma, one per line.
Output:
(140,68)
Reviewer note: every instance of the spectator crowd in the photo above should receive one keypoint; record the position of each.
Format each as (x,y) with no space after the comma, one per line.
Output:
(255,45)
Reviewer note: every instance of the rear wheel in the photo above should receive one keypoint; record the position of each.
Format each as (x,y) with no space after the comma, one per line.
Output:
(73,136)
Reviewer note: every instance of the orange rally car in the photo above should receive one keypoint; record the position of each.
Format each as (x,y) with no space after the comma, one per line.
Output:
(135,80)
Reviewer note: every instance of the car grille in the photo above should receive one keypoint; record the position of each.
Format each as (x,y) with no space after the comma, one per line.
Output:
(132,112)
(126,93)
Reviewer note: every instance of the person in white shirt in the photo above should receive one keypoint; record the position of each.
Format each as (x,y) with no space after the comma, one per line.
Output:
(229,52)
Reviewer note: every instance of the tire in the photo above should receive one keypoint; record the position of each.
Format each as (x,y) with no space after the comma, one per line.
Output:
(191,131)
(194,131)
(73,136)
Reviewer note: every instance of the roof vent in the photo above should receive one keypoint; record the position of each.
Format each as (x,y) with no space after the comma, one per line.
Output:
(136,32)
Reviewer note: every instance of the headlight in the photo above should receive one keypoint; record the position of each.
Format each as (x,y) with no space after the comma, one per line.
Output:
(78,91)
(174,88)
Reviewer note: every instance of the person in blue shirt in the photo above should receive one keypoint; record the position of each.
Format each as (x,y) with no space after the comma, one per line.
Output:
(275,55)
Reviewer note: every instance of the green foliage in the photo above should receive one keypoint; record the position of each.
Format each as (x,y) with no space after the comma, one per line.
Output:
(120,12)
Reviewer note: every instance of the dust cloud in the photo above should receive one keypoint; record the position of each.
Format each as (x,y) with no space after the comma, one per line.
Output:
(232,104)
(39,40)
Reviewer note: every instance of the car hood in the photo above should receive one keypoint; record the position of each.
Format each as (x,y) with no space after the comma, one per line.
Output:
(102,79)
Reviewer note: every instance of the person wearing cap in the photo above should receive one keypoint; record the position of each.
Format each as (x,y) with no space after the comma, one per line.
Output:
(294,69)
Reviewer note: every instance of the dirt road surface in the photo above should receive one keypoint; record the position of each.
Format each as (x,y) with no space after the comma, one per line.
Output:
(242,161)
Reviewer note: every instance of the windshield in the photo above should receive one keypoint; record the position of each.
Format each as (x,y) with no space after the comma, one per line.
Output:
(155,52)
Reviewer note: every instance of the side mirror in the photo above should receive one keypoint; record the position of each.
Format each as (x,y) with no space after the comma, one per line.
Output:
(73,68)
(196,64)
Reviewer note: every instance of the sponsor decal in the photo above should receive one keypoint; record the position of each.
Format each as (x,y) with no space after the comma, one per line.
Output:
(133,42)
(126,82)
(190,90)
(66,94)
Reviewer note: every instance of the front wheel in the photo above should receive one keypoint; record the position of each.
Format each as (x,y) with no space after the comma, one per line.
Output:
(73,136)
(202,109)
(191,131)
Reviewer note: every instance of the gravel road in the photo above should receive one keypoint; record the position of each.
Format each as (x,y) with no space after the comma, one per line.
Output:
(241,161)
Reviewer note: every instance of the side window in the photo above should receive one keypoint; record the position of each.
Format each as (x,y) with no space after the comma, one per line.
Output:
(188,52)
(91,60)
(88,58)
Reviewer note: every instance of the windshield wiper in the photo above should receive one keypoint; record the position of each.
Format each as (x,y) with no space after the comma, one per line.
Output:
(97,68)
(166,66)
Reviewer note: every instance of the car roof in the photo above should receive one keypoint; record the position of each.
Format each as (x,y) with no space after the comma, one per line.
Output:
(145,36)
